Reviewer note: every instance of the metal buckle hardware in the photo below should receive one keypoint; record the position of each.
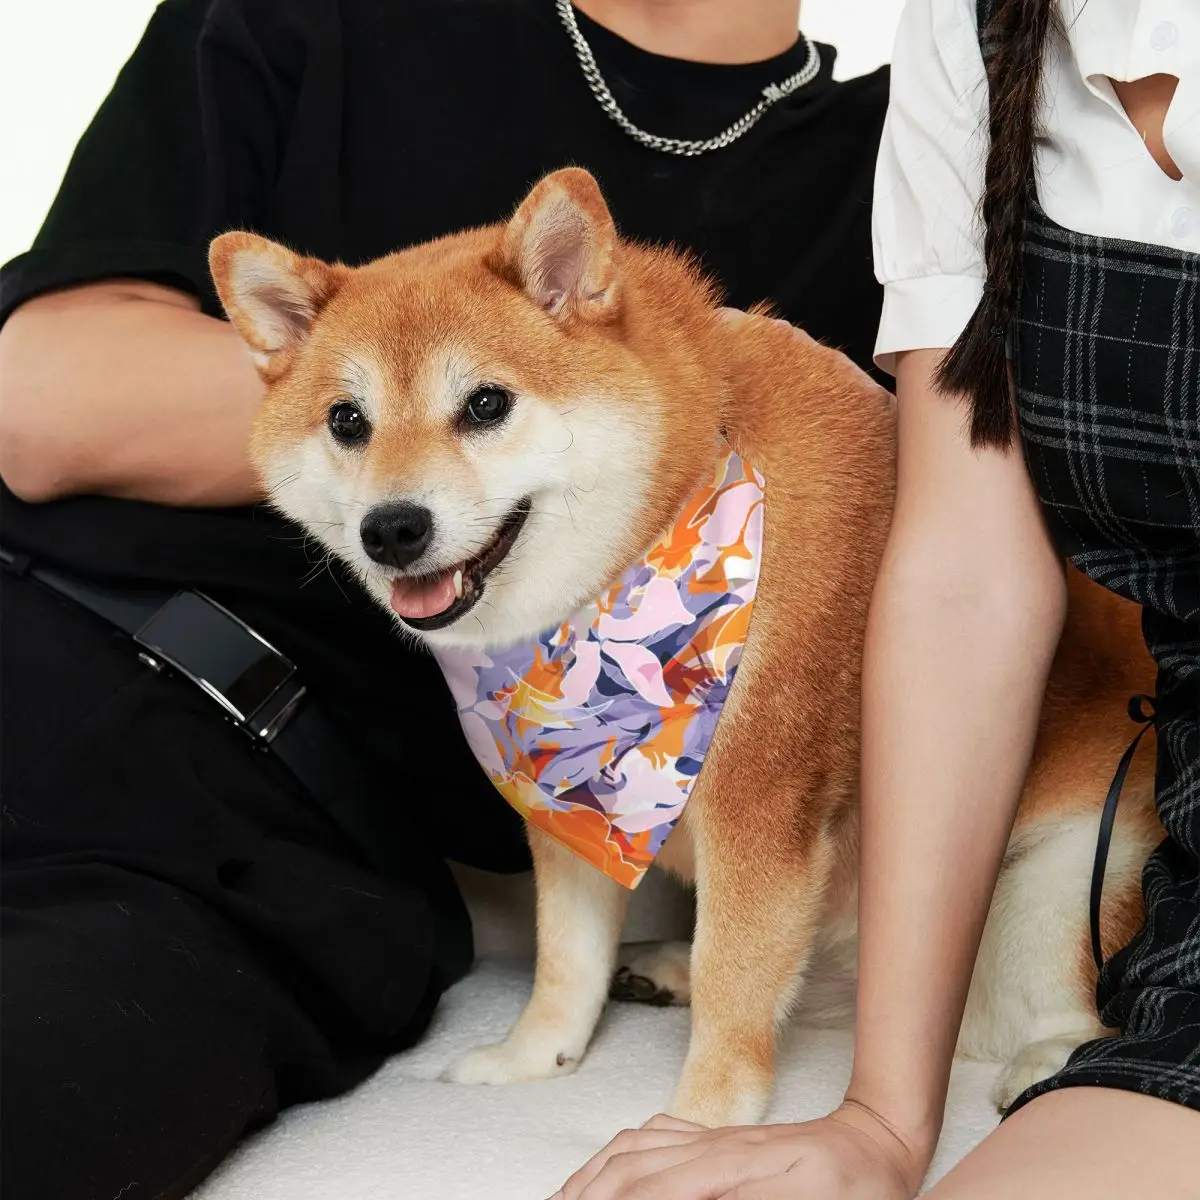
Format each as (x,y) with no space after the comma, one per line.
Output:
(253,682)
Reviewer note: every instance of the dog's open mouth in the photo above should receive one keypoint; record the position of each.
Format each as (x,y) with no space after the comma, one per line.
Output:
(427,602)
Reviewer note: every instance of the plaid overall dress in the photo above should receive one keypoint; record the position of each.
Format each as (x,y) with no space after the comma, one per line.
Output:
(1107,366)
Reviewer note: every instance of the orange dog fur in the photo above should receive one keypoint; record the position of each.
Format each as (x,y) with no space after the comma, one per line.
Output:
(624,370)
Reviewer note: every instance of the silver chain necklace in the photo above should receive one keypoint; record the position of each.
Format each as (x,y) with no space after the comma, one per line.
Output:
(771,94)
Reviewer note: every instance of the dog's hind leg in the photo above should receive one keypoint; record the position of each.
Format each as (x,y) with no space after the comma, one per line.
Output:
(756,918)
(579,916)
(658,973)
(1032,997)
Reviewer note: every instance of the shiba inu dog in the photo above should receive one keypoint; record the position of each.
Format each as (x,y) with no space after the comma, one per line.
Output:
(509,426)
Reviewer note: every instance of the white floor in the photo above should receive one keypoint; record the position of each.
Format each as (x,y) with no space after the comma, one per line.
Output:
(405,1135)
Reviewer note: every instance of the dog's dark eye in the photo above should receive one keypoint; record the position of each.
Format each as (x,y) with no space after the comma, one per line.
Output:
(347,423)
(487,405)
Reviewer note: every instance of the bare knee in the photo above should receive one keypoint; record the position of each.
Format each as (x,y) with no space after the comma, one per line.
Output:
(1102,1143)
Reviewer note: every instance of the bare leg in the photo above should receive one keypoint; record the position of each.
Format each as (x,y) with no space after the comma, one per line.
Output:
(1098,1143)
(579,915)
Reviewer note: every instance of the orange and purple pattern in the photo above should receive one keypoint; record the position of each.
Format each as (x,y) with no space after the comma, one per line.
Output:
(596,731)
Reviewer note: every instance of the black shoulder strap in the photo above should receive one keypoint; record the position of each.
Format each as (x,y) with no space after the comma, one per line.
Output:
(1141,709)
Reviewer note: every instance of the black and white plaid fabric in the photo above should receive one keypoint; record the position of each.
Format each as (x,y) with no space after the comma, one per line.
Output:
(1107,362)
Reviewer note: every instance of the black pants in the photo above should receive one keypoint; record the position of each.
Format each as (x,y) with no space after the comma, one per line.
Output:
(189,943)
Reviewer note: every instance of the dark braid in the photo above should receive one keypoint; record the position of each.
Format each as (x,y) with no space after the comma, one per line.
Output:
(1014,44)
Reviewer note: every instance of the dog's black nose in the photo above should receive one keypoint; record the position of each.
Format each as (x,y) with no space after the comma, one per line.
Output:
(396,534)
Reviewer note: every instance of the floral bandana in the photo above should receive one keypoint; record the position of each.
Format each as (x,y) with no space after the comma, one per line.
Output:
(596,730)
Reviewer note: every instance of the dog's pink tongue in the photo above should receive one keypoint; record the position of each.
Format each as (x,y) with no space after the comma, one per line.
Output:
(423,597)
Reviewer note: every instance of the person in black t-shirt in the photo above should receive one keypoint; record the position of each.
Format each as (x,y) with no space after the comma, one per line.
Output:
(194,935)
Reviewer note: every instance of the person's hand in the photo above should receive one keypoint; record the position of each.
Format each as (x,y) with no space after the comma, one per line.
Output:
(853,1154)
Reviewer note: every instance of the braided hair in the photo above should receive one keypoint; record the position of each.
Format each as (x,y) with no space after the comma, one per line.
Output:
(1014,39)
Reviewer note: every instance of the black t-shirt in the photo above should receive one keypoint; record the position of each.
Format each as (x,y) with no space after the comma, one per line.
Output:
(351,128)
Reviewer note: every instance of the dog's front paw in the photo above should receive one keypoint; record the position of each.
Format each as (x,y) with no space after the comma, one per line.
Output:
(511,1062)
(716,1093)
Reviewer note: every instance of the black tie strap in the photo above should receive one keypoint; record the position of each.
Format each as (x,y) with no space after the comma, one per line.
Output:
(1142,710)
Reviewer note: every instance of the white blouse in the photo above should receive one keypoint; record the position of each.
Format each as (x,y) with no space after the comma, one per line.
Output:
(1093,172)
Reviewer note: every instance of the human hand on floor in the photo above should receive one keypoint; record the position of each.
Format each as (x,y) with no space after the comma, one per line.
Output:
(852,1154)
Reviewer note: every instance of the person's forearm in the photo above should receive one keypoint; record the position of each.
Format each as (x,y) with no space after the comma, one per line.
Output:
(949,722)
(959,645)
(125,390)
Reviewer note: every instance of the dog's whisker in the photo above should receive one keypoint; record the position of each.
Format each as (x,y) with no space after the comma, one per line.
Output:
(312,572)
(333,575)
(313,524)
(325,563)
(567,493)
(277,487)
(500,500)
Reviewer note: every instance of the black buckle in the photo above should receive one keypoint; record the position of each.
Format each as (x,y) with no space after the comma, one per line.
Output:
(253,682)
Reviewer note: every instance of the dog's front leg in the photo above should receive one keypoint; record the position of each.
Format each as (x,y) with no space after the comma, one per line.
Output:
(579,917)
(757,911)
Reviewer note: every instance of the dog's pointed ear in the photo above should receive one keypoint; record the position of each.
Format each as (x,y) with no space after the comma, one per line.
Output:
(562,246)
(271,295)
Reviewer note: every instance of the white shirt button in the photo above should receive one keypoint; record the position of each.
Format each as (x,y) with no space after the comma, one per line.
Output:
(1185,223)
(1164,35)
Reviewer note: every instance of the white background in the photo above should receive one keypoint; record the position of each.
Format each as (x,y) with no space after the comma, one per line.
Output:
(58,58)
